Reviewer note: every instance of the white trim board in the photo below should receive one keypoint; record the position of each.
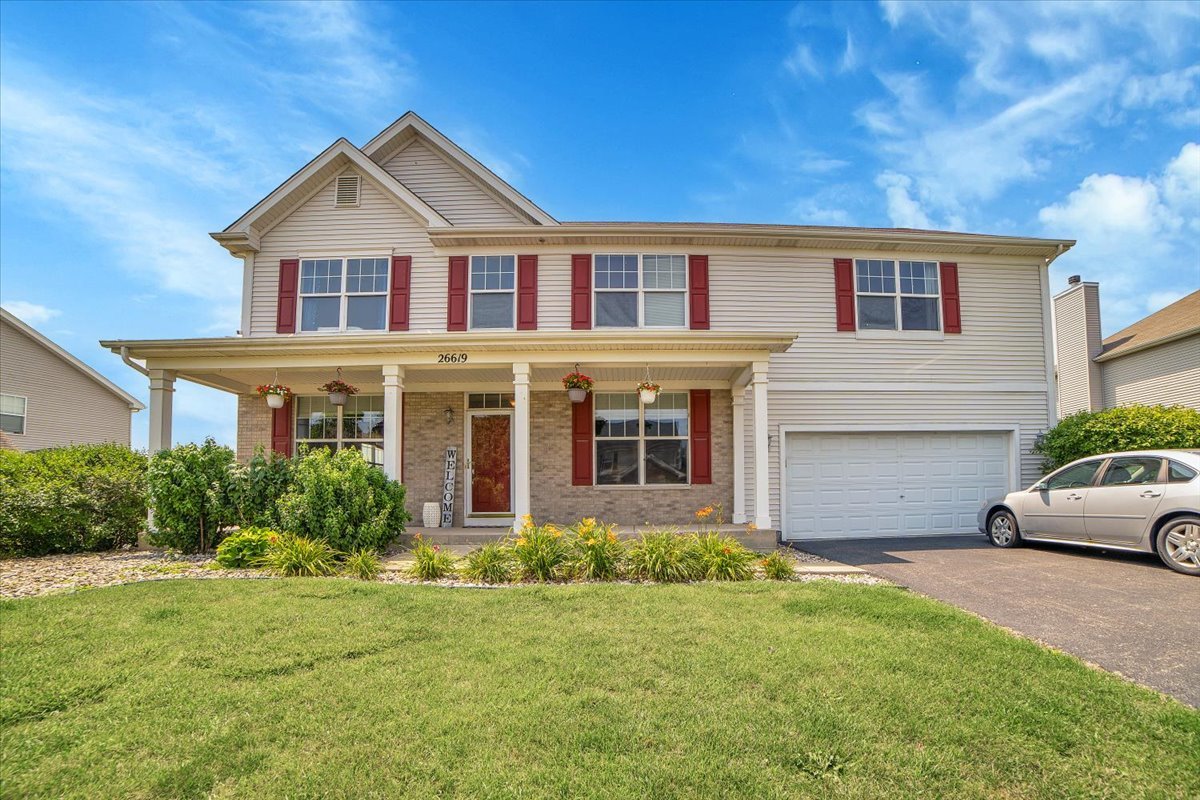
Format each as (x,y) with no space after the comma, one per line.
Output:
(909,386)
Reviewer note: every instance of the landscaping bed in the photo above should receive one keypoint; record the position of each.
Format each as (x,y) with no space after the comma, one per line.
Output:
(30,577)
(315,687)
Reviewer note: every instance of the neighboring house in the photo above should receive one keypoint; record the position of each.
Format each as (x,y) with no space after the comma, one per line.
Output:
(49,398)
(818,381)
(1154,361)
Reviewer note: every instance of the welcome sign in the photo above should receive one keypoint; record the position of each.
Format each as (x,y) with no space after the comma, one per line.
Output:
(448,487)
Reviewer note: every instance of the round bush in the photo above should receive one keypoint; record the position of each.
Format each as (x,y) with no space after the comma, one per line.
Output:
(190,491)
(1136,427)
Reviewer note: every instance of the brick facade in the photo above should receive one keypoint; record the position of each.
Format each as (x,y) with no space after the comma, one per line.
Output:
(553,498)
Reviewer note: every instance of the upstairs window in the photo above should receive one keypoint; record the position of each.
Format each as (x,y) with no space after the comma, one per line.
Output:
(885,303)
(12,413)
(343,294)
(493,295)
(647,291)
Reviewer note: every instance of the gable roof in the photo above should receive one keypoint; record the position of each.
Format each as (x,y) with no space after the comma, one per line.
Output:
(244,233)
(400,132)
(104,382)
(1180,319)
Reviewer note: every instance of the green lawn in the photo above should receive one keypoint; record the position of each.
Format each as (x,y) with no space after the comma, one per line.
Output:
(330,688)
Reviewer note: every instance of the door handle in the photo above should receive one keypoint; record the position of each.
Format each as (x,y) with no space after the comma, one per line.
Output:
(1151,493)
(1074,497)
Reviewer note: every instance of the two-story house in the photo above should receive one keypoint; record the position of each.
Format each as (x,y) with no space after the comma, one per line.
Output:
(818,381)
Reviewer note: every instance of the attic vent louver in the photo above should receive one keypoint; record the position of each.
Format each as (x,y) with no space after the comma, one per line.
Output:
(347,191)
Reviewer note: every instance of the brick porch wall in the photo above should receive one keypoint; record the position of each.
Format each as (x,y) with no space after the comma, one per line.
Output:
(554,499)
(253,426)
(426,437)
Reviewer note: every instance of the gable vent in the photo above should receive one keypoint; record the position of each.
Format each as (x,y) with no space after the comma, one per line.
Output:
(347,191)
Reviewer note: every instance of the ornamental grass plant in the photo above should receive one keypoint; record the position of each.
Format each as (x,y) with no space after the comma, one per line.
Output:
(596,552)
(665,556)
(491,563)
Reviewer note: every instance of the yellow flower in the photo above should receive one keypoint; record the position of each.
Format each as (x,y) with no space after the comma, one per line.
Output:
(612,537)
(591,542)
(750,527)
(589,522)
(520,540)
(704,512)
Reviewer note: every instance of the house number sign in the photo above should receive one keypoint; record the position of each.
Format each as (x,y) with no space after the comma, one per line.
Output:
(452,358)
(448,487)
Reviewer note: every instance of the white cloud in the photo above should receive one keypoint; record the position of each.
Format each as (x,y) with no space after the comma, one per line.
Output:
(1112,203)
(903,210)
(850,57)
(801,62)
(31,313)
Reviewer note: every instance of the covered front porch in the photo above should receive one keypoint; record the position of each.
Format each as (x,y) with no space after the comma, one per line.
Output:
(486,430)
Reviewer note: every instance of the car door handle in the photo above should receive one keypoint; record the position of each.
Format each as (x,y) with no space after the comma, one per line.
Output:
(1074,497)
(1151,493)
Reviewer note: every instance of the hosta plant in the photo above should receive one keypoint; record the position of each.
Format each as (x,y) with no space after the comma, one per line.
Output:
(596,552)
(299,556)
(778,567)
(723,558)
(245,548)
(490,563)
(430,562)
(665,557)
(540,551)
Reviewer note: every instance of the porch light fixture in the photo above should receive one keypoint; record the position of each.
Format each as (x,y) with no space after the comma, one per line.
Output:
(577,385)
(449,412)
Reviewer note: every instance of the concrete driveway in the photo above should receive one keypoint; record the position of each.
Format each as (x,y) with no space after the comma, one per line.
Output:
(1123,611)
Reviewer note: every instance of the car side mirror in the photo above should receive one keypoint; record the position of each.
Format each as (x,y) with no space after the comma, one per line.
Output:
(1040,486)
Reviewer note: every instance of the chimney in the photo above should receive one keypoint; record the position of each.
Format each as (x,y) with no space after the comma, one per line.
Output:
(1077,342)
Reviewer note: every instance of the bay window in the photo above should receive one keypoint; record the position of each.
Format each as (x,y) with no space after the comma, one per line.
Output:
(357,424)
(343,294)
(647,291)
(639,444)
(911,303)
(493,294)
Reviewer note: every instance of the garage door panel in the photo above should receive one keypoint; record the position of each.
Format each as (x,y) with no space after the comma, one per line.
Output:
(889,484)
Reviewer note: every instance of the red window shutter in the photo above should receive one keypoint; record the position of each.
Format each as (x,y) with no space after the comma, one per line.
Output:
(527,267)
(582,430)
(581,294)
(456,308)
(289,286)
(951,308)
(281,429)
(698,292)
(843,290)
(401,292)
(701,424)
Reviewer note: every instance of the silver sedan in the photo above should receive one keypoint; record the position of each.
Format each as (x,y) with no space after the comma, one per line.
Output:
(1147,501)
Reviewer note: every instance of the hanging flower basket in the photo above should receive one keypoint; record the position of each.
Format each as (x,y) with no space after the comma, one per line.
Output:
(648,391)
(276,393)
(338,390)
(577,385)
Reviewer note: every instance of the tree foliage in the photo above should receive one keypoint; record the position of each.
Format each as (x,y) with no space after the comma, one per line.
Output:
(1135,427)
(191,487)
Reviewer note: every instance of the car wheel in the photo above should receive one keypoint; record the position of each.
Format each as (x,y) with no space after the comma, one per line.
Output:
(1179,545)
(1002,529)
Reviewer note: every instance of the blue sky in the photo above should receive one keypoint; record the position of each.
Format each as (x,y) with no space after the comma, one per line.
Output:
(130,131)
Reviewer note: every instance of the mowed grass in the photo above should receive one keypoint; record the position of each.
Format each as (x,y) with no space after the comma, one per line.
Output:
(331,688)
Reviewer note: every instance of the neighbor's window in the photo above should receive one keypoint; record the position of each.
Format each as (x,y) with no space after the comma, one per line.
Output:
(493,298)
(358,424)
(347,294)
(887,304)
(12,413)
(641,444)
(647,291)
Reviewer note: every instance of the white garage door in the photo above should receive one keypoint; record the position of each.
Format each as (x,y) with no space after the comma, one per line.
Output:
(843,485)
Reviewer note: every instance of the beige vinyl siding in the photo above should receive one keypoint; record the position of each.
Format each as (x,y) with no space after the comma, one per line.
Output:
(1077,341)
(971,408)
(1168,374)
(450,192)
(63,405)
(377,227)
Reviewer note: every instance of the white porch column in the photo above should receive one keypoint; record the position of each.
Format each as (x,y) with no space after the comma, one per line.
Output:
(162,390)
(762,497)
(739,455)
(393,420)
(520,467)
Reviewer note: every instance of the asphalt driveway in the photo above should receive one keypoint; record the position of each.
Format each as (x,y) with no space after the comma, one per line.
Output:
(1123,611)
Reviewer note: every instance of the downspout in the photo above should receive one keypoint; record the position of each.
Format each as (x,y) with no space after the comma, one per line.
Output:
(130,362)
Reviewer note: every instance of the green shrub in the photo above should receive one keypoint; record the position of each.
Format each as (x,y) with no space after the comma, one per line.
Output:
(362,564)
(596,552)
(724,558)
(190,489)
(540,551)
(778,567)
(245,548)
(1136,427)
(342,499)
(300,556)
(665,556)
(71,499)
(430,563)
(490,563)
(255,489)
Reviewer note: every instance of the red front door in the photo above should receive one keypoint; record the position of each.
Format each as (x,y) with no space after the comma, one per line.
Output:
(491,473)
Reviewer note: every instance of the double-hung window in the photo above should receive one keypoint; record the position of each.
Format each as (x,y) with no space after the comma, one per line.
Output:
(343,294)
(640,444)
(12,413)
(493,295)
(910,302)
(648,291)
(357,424)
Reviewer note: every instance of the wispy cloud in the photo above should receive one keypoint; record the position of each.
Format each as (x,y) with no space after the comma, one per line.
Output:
(32,313)
(801,62)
